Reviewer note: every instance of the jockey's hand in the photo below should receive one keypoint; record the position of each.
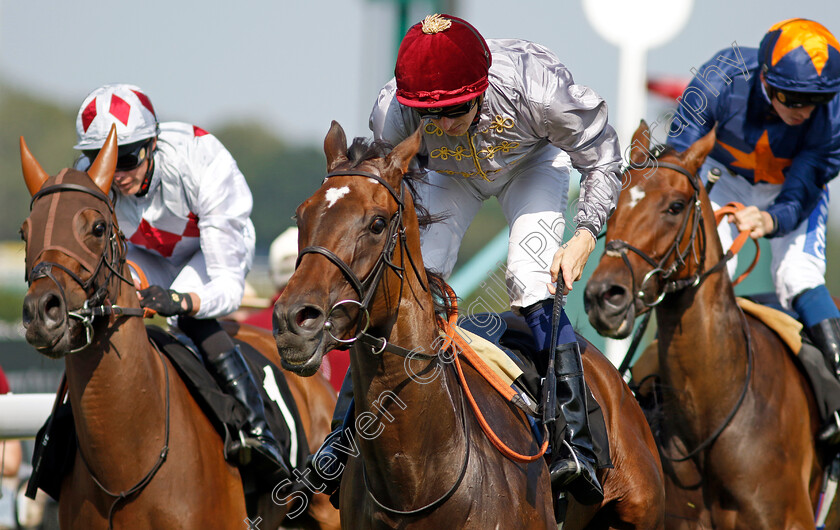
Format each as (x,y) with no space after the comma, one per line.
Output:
(757,222)
(165,302)
(571,259)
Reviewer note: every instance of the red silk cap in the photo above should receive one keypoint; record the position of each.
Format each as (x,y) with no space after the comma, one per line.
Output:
(442,61)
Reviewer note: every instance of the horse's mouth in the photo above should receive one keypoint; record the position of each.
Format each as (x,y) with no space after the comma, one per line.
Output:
(54,347)
(301,355)
(615,325)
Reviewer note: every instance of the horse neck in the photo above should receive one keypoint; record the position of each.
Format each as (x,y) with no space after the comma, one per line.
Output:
(412,405)
(701,335)
(115,386)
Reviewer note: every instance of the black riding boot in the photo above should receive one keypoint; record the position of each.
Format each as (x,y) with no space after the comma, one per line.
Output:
(826,337)
(572,464)
(329,460)
(232,374)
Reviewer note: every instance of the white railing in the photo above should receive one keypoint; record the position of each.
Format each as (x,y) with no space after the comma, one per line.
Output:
(21,415)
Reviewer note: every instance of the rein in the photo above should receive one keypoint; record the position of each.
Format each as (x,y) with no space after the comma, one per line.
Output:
(147,478)
(95,305)
(695,281)
(366,289)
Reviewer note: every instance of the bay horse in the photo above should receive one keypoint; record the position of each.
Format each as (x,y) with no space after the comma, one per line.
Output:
(422,458)
(147,456)
(739,418)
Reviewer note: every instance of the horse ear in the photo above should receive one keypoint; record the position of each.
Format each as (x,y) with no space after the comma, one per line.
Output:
(694,156)
(102,169)
(33,174)
(639,152)
(401,156)
(335,146)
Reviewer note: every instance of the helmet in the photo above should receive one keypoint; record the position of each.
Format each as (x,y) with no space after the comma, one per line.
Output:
(442,61)
(799,55)
(282,257)
(124,105)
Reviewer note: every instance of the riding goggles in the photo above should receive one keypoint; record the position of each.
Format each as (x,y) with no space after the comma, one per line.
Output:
(795,100)
(452,112)
(129,156)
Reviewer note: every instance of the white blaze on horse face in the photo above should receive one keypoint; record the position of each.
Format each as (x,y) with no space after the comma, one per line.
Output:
(333,194)
(636,195)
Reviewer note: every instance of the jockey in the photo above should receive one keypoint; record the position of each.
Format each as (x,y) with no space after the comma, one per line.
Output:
(777,125)
(185,208)
(504,118)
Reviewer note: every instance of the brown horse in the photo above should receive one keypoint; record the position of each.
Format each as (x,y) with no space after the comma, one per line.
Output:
(739,418)
(147,456)
(424,461)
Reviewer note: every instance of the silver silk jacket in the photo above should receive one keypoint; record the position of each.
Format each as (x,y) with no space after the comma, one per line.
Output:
(532,101)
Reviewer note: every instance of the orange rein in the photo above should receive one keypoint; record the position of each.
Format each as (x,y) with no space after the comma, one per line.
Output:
(742,238)
(460,346)
(144,282)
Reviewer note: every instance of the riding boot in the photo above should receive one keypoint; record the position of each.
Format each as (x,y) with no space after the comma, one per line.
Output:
(232,374)
(329,460)
(572,465)
(826,337)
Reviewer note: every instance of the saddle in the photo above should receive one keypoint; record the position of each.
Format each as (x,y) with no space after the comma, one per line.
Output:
(56,440)
(507,347)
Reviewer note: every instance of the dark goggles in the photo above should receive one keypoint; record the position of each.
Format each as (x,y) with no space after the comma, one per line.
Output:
(129,156)
(452,112)
(795,100)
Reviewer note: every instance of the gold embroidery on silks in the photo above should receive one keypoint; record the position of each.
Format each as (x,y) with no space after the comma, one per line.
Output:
(469,175)
(444,153)
(500,123)
(431,128)
(505,147)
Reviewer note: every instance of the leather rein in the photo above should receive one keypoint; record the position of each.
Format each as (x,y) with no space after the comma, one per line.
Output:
(680,284)
(113,258)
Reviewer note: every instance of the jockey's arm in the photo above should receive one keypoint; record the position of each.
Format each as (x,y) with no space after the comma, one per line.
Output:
(571,258)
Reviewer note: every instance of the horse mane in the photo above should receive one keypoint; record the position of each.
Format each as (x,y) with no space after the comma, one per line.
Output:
(363,149)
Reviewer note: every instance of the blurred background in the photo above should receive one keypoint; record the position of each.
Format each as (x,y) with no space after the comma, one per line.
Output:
(267,77)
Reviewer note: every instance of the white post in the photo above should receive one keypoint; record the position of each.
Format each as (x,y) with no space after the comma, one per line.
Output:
(635,27)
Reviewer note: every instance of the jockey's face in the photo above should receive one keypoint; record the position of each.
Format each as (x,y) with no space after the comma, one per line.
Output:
(792,116)
(129,182)
(456,126)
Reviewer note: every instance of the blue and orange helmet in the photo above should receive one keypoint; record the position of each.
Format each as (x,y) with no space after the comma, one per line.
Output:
(800,55)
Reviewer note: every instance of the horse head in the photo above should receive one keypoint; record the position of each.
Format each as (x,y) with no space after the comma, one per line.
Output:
(355,235)
(656,239)
(74,251)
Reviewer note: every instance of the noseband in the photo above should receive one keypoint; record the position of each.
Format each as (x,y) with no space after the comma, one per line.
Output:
(367,288)
(113,258)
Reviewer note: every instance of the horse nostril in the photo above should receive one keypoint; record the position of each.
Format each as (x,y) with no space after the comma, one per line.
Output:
(308,318)
(52,309)
(615,296)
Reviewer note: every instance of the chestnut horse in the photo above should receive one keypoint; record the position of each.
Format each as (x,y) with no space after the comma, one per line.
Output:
(147,456)
(739,418)
(424,461)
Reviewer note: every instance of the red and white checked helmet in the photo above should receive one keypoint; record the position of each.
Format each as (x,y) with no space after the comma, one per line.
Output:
(127,106)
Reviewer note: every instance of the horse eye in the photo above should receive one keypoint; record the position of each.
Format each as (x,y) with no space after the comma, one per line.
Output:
(676,207)
(378,225)
(98,229)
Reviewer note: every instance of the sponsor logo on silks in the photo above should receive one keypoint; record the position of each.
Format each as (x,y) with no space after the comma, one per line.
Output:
(815,235)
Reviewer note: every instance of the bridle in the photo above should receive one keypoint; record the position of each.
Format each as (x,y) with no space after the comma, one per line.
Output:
(680,284)
(366,289)
(113,258)
(679,262)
